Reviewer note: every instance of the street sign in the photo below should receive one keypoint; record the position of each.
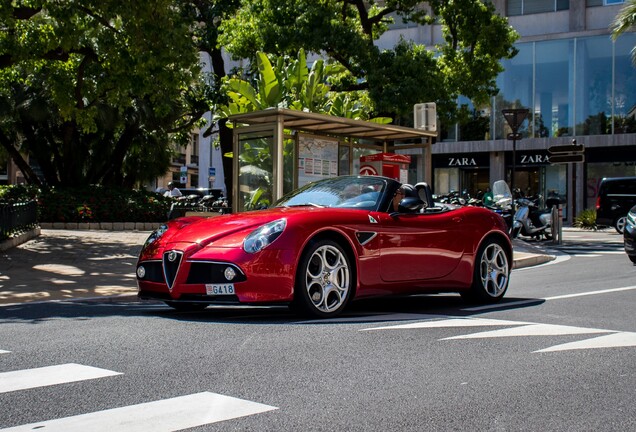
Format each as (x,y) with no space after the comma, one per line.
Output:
(211,171)
(514,117)
(514,136)
(567,158)
(573,148)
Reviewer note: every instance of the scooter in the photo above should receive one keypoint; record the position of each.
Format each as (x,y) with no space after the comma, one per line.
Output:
(530,221)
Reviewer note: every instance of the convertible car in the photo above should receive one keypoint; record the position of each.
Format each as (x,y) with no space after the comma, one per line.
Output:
(326,244)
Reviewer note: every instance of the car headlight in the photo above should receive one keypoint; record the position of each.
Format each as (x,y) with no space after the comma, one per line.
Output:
(156,234)
(263,236)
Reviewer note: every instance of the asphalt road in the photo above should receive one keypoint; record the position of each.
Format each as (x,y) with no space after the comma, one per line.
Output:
(557,354)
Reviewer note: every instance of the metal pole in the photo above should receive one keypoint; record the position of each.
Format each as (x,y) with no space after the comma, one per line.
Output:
(514,167)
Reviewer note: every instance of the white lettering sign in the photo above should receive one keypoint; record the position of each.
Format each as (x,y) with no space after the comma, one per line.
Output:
(461,162)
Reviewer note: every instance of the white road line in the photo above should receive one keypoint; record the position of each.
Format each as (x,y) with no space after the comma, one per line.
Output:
(453,322)
(166,415)
(565,296)
(50,375)
(4,352)
(620,339)
(589,293)
(531,330)
(371,318)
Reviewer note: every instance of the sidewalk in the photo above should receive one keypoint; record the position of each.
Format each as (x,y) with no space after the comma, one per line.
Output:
(81,264)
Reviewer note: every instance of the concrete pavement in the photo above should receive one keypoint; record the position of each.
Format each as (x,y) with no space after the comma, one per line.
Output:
(62,265)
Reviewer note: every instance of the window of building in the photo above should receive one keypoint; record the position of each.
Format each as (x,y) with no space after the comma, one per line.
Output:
(527,7)
(591,3)
(194,146)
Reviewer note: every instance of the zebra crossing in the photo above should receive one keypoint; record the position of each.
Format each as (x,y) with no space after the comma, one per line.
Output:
(601,338)
(165,415)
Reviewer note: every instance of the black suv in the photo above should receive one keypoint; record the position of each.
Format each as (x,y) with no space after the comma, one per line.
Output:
(615,197)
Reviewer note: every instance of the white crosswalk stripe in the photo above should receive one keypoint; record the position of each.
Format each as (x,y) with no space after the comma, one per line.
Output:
(523,329)
(50,375)
(165,415)
(160,416)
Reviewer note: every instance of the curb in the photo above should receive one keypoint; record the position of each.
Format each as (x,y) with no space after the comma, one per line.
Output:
(19,239)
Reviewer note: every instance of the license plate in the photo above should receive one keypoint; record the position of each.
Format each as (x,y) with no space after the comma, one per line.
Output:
(219,289)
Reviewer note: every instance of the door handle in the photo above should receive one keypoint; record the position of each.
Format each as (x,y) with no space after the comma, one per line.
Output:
(457,219)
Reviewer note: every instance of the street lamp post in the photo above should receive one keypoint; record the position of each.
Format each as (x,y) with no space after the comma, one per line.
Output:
(514,117)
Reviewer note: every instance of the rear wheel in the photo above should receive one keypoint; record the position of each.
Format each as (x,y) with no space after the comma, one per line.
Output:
(324,283)
(187,307)
(491,274)
(632,258)
(619,224)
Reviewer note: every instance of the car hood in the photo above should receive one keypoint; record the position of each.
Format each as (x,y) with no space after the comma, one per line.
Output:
(206,230)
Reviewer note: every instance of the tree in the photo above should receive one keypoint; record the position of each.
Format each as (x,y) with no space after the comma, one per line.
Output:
(625,21)
(95,91)
(467,64)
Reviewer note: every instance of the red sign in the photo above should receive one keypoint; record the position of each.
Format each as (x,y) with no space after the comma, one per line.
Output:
(386,157)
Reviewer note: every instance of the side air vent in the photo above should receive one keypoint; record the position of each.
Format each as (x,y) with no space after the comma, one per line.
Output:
(365,237)
(171,263)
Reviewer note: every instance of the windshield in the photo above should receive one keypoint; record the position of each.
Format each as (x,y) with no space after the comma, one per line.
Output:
(347,192)
(501,193)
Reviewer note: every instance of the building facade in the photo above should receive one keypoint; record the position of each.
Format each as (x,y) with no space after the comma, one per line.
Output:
(577,83)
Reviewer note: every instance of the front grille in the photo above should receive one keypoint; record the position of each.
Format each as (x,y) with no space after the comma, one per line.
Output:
(154,271)
(171,263)
(212,272)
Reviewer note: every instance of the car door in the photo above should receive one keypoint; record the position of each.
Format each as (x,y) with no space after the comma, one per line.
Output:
(420,246)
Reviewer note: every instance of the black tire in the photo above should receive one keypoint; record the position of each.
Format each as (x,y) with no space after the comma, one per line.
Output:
(491,274)
(187,307)
(632,258)
(324,280)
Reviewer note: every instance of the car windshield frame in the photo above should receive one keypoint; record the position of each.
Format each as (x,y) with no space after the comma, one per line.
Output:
(350,192)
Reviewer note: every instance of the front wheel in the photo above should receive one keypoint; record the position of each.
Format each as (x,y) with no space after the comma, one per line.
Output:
(619,225)
(324,282)
(491,274)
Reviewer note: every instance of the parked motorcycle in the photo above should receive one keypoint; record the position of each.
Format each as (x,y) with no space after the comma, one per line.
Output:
(532,221)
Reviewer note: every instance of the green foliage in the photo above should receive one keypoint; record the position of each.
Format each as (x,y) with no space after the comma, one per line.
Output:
(476,39)
(91,203)
(586,220)
(95,91)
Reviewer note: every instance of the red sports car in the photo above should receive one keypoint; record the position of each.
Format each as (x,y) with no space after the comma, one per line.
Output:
(326,244)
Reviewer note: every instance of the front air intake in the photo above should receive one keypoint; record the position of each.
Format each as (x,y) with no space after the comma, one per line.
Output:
(171,263)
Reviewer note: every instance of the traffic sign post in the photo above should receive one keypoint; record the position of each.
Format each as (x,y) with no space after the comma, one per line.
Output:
(514,117)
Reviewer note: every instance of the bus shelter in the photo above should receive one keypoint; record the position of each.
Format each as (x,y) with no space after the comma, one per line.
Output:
(278,150)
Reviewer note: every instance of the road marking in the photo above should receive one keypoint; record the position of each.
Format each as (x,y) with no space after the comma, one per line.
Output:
(589,293)
(565,296)
(159,416)
(4,352)
(50,375)
(371,318)
(524,329)
(531,330)
(620,339)
(452,322)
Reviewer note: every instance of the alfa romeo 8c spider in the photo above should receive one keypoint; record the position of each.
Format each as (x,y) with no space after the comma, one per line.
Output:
(326,244)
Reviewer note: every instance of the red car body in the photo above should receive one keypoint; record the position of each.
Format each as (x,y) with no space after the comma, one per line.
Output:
(406,252)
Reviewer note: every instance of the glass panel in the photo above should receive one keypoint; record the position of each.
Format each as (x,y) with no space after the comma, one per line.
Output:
(344,159)
(255,170)
(446,180)
(625,91)
(515,89)
(591,3)
(538,6)
(554,95)
(289,158)
(563,5)
(514,7)
(594,85)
